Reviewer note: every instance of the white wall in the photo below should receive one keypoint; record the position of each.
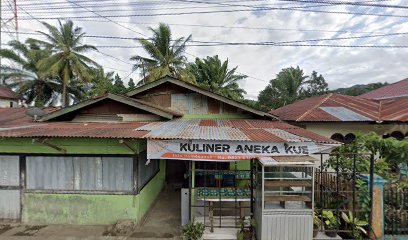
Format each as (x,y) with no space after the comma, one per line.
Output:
(328,129)
(5,103)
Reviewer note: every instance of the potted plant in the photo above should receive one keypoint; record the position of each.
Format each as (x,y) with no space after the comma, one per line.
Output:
(316,223)
(192,231)
(356,224)
(244,233)
(330,223)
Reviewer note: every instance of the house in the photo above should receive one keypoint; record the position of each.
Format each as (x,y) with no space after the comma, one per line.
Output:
(383,111)
(108,158)
(8,98)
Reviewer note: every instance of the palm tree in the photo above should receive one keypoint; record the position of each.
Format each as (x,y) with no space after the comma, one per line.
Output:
(35,86)
(67,61)
(214,75)
(165,55)
(291,79)
(289,85)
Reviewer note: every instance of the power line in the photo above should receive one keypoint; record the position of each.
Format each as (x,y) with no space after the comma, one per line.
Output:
(360,4)
(105,17)
(219,11)
(219,43)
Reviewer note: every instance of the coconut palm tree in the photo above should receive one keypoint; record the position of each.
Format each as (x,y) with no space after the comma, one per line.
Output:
(286,88)
(165,55)
(214,75)
(24,75)
(67,60)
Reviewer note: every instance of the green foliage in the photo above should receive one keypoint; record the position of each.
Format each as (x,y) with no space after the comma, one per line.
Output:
(103,83)
(356,224)
(388,153)
(291,84)
(66,60)
(165,56)
(118,86)
(316,219)
(132,85)
(359,89)
(192,231)
(364,198)
(329,219)
(213,75)
(37,87)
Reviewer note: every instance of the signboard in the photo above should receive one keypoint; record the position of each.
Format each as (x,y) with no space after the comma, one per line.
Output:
(227,150)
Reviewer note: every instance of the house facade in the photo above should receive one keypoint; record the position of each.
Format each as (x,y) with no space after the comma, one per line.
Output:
(108,158)
(8,98)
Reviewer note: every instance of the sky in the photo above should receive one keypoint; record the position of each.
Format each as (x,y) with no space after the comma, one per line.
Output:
(255,21)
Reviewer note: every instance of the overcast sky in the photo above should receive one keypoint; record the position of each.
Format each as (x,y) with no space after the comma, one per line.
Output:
(341,67)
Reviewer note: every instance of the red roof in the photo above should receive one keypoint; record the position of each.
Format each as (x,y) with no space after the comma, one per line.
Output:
(14,122)
(7,93)
(395,90)
(67,129)
(343,108)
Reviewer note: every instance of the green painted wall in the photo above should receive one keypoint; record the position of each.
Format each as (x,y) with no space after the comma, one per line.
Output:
(71,145)
(91,209)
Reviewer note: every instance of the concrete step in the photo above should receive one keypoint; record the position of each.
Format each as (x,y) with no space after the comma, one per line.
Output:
(220,234)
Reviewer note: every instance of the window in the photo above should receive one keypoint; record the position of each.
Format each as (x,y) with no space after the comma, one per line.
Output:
(147,169)
(349,138)
(337,137)
(80,173)
(397,135)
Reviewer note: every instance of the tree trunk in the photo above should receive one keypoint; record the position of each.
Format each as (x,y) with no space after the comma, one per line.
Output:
(65,96)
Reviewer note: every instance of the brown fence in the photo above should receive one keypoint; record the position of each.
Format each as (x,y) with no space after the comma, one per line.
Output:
(396,211)
(332,188)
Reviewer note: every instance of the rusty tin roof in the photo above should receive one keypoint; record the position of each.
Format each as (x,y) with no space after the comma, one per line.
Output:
(342,108)
(231,130)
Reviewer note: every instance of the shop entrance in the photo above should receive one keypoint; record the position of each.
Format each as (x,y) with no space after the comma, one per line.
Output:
(221,193)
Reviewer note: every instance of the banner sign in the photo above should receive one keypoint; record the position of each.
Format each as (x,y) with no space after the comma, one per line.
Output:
(227,150)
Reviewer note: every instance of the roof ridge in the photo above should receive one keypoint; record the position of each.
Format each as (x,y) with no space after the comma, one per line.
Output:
(313,108)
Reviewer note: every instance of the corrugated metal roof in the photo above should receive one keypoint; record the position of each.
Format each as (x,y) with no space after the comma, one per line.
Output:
(231,130)
(83,130)
(342,108)
(7,93)
(344,114)
(395,90)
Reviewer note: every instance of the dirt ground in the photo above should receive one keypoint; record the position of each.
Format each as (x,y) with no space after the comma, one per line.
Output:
(162,222)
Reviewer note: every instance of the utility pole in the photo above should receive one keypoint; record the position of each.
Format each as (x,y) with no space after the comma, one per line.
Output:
(9,24)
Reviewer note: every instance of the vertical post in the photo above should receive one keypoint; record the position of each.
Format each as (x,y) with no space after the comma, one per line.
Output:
(190,172)
(376,185)
(252,186)
(23,182)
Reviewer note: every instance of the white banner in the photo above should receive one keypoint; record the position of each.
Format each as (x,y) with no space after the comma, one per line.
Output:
(228,150)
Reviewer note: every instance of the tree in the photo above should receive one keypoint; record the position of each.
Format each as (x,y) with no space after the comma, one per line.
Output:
(290,85)
(101,83)
(35,86)
(165,56)
(214,75)
(132,85)
(359,89)
(315,85)
(67,61)
(118,86)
